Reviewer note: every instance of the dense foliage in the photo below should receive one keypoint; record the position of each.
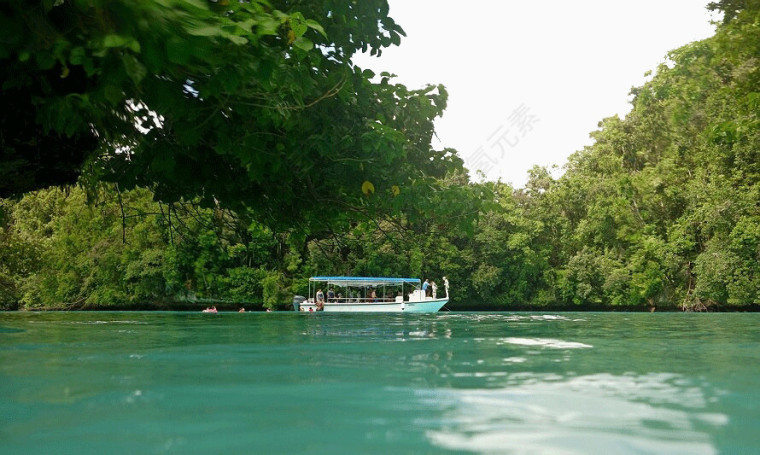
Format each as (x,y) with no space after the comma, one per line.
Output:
(665,206)
(254,105)
(663,210)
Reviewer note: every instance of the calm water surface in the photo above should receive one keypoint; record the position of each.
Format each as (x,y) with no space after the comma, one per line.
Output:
(512,383)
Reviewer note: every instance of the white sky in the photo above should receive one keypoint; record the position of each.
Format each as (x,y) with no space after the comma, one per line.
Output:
(563,65)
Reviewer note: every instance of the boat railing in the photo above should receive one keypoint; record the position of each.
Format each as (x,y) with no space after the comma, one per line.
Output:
(413,297)
(360,299)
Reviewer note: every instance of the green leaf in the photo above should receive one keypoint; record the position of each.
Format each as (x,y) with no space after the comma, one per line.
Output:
(177,51)
(135,70)
(247,25)
(162,163)
(239,40)
(395,39)
(113,94)
(77,55)
(269,26)
(114,40)
(203,29)
(303,43)
(298,24)
(311,23)
(44,60)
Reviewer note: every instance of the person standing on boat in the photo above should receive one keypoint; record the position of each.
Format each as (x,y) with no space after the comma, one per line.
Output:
(425,286)
(434,288)
(446,286)
(320,296)
(330,295)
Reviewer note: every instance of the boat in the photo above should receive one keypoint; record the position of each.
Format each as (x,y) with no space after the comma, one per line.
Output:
(369,295)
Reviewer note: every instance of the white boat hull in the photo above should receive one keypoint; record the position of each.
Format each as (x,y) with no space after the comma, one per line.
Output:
(423,306)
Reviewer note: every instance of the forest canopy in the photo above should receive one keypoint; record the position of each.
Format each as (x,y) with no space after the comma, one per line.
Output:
(226,151)
(248,105)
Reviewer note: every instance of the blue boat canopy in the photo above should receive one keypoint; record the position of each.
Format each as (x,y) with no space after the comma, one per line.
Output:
(364,281)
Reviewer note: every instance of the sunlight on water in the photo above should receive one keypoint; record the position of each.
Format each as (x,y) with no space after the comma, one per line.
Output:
(546,342)
(589,414)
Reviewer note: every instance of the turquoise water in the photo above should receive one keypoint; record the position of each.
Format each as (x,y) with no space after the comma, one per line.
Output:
(521,383)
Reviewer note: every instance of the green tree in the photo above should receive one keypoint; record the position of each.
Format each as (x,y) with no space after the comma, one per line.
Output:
(651,213)
(254,105)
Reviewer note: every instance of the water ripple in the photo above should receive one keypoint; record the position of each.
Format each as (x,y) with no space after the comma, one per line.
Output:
(546,342)
(603,413)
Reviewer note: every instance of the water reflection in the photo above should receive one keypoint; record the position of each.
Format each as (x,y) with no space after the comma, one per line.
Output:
(601,413)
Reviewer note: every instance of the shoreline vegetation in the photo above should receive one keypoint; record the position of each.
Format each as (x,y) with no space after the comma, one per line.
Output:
(222,161)
(197,307)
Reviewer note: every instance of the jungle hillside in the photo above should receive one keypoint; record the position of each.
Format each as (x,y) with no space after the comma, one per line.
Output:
(172,153)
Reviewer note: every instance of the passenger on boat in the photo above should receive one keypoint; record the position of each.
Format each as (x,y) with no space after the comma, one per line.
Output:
(434,288)
(320,296)
(330,295)
(320,305)
(425,286)
(373,296)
